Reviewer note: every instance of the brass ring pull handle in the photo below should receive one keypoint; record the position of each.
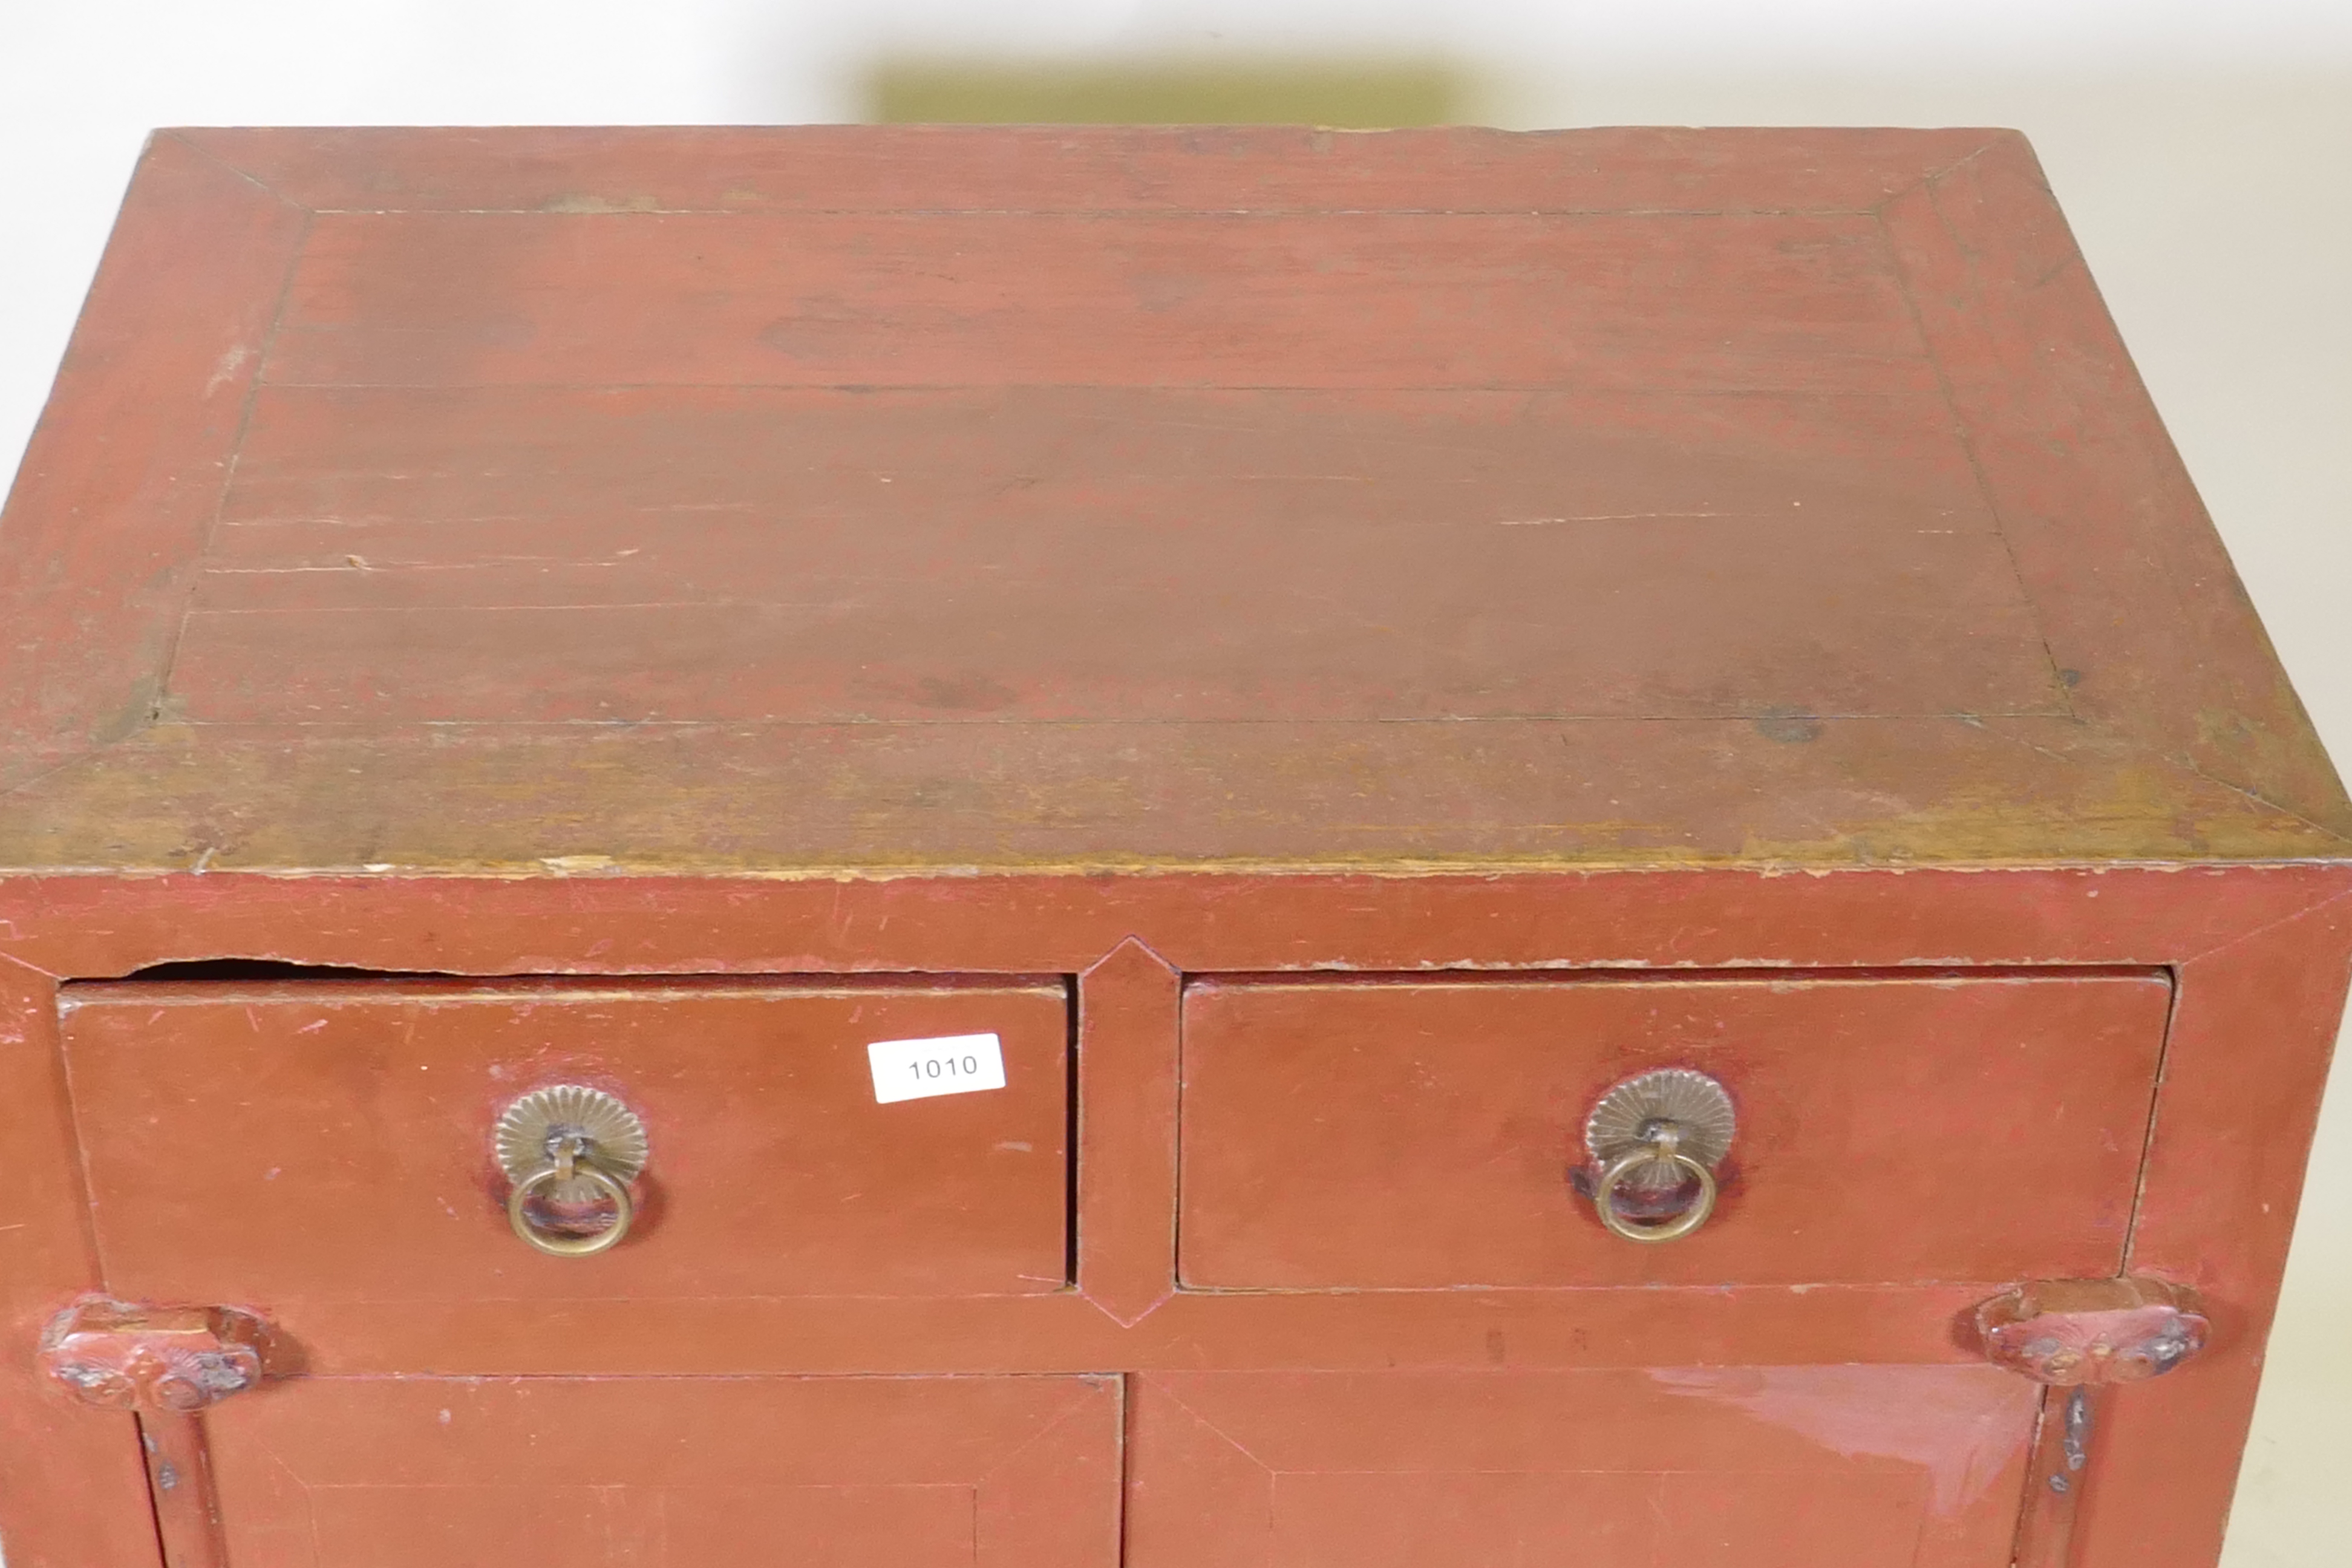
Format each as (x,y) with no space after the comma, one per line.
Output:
(571,1148)
(547,1180)
(1651,1138)
(1665,1147)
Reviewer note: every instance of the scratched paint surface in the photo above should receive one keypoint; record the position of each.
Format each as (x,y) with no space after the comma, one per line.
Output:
(1854,1468)
(1420,1135)
(910,498)
(550,532)
(998,555)
(773,1170)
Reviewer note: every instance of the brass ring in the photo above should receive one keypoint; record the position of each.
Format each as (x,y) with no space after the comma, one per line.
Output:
(530,1187)
(1690,1219)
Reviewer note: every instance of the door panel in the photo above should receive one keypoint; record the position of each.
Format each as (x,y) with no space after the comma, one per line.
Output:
(1420,1134)
(1743,1467)
(1000,1472)
(333,1142)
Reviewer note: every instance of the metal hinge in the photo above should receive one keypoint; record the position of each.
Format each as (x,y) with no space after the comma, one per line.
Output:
(2069,1332)
(122,1356)
(2078,1338)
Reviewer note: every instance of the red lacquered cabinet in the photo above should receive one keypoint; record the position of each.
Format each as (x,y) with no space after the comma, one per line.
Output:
(1052,848)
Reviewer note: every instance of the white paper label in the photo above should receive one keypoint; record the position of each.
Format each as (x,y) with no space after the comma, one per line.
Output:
(952,1064)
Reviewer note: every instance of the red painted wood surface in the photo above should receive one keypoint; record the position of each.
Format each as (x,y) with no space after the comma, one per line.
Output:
(118,1355)
(2075,1332)
(1796,302)
(1126,1211)
(139,436)
(1071,497)
(722,1473)
(772,565)
(588,170)
(1421,1134)
(73,1490)
(2056,1476)
(288,1146)
(2284,995)
(587,584)
(582,920)
(190,1526)
(2247,1062)
(1850,1467)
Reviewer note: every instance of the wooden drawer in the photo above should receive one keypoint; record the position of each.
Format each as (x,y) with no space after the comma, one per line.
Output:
(997,1472)
(311,1143)
(1794,1467)
(1422,1134)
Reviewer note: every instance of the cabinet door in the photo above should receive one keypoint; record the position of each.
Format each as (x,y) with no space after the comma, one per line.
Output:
(1819,1467)
(998,1472)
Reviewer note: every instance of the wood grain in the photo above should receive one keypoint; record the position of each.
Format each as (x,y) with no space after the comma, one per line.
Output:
(1803,471)
(824,168)
(1768,302)
(534,560)
(123,477)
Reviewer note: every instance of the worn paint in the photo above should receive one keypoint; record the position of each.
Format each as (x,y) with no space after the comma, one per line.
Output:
(785,552)
(522,551)
(1962,1432)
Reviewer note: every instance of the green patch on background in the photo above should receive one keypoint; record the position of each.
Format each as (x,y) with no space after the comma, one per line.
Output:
(1352,95)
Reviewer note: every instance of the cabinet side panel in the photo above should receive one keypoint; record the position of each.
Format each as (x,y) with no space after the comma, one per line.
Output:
(2247,1061)
(72,1491)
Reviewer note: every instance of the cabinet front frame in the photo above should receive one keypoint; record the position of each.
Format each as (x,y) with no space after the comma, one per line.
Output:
(2259,956)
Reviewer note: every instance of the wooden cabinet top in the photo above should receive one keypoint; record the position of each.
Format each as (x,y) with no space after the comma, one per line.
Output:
(804,501)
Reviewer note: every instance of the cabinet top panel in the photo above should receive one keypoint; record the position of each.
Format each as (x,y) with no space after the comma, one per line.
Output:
(834,499)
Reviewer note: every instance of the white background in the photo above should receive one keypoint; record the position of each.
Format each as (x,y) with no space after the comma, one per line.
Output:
(2203,149)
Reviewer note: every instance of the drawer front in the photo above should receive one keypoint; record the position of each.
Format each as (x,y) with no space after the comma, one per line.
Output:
(1423,1135)
(1002,1472)
(334,1142)
(1724,1468)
